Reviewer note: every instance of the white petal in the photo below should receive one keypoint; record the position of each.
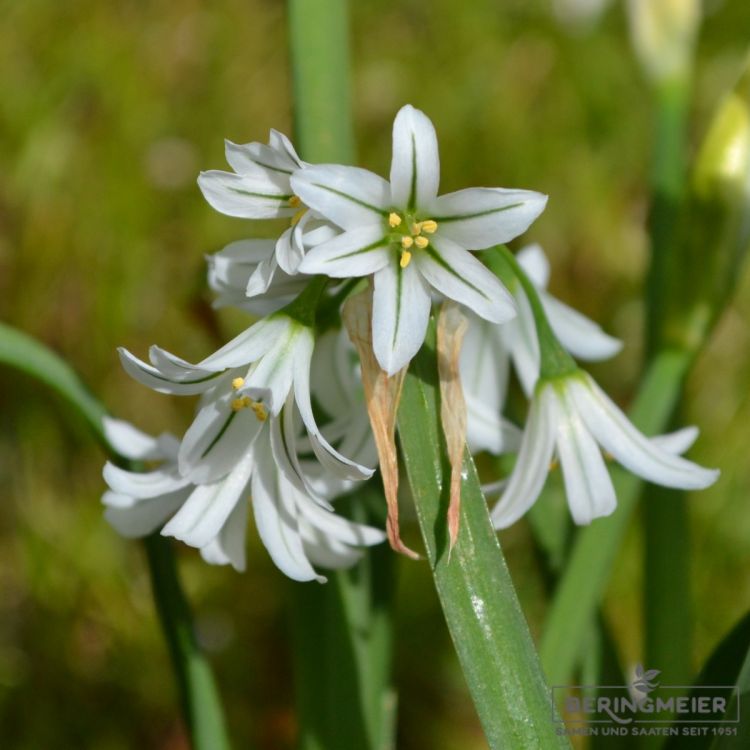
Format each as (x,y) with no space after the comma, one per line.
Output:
(348,196)
(288,252)
(485,364)
(275,370)
(129,441)
(247,197)
(630,447)
(588,485)
(216,440)
(400,312)
(261,278)
(205,512)
(250,345)
(358,252)
(532,465)
(534,262)
(228,548)
(153,378)
(677,442)
(143,484)
(328,456)
(521,340)
(415,166)
(458,275)
(481,217)
(487,430)
(324,552)
(582,337)
(276,519)
(142,517)
(282,145)
(337,527)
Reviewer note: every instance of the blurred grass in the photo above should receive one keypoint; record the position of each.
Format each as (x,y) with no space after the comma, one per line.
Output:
(107,113)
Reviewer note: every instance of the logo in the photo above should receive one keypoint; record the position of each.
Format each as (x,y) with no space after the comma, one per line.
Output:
(646,707)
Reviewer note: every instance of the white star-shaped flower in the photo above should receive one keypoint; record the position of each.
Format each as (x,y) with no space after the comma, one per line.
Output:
(572,417)
(410,239)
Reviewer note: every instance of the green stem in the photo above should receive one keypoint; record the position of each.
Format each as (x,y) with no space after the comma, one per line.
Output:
(476,592)
(342,631)
(197,690)
(595,549)
(666,589)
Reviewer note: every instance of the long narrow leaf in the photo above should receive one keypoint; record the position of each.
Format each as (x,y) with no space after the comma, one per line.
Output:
(475,589)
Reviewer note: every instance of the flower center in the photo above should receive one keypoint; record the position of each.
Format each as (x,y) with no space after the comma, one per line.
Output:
(409,232)
(245,402)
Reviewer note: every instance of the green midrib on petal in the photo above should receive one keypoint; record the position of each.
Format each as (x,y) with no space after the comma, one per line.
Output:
(267,196)
(382,242)
(475,215)
(219,434)
(412,203)
(399,289)
(165,379)
(435,255)
(351,198)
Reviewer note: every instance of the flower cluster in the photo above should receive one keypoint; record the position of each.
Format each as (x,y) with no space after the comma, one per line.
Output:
(256,441)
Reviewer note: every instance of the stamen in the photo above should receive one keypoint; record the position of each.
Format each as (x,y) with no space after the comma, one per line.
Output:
(237,383)
(393,219)
(294,201)
(239,404)
(260,411)
(405,258)
(429,226)
(407,242)
(416,227)
(298,215)
(421,242)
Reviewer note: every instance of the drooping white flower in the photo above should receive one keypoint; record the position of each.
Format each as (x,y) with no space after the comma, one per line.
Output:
(489,350)
(410,239)
(272,358)
(572,417)
(297,532)
(259,188)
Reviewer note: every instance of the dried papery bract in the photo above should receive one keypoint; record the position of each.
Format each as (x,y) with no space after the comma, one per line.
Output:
(382,395)
(451,328)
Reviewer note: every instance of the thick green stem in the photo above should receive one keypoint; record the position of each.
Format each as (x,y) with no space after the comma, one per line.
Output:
(595,550)
(341,631)
(197,689)
(666,540)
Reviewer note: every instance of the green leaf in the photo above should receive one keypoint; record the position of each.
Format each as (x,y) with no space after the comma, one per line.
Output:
(198,693)
(475,589)
(721,668)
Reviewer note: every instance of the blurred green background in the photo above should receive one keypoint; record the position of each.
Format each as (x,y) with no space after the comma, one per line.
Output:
(107,113)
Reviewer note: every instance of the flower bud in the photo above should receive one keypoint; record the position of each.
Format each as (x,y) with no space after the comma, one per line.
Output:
(663,33)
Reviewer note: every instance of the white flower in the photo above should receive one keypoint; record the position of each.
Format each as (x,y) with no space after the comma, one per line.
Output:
(488,350)
(297,532)
(571,416)
(264,372)
(259,188)
(410,239)
(243,276)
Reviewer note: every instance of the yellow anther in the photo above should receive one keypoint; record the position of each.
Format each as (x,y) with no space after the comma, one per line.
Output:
(298,215)
(260,411)
(405,259)
(429,226)
(294,201)
(238,404)
(394,219)
(421,242)
(416,228)
(407,242)
(237,383)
